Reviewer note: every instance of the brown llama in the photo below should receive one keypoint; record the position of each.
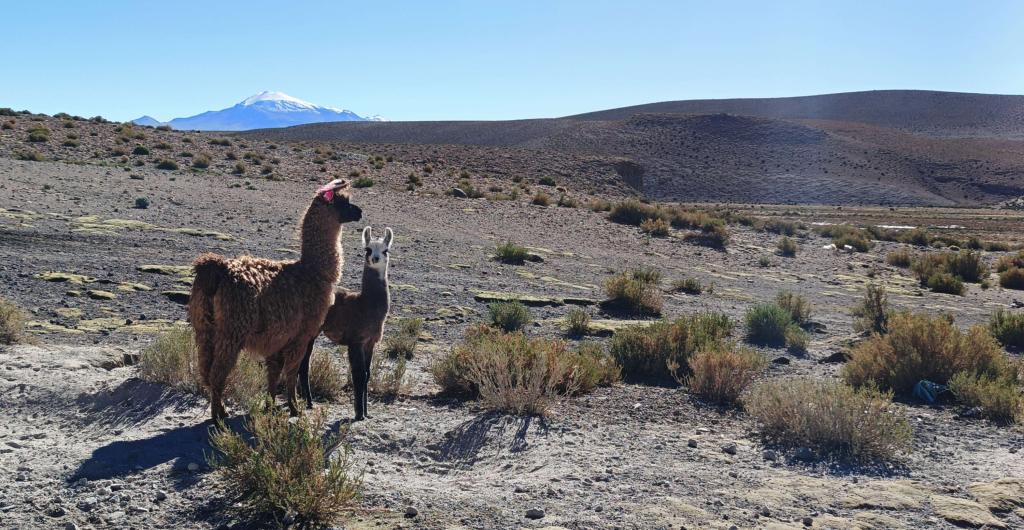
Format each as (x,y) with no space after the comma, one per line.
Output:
(357,320)
(272,309)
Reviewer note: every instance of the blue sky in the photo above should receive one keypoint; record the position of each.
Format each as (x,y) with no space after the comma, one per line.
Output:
(421,60)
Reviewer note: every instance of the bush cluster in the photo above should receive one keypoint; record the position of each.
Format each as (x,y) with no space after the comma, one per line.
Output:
(656,351)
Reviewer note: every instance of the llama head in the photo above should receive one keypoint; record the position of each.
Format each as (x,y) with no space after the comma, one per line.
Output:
(377,248)
(336,195)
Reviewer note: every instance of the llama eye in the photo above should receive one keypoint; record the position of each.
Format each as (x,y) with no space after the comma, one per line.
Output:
(368,251)
(385,252)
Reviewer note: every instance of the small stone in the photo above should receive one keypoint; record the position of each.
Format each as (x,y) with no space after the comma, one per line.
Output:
(804,453)
(808,521)
(160,496)
(770,455)
(765,512)
(87,504)
(691,443)
(781,360)
(192,466)
(56,511)
(729,448)
(458,193)
(411,512)
(70,526)
(534,513)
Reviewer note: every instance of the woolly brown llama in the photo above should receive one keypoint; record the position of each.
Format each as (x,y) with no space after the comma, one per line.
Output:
(272,309)
(357,320)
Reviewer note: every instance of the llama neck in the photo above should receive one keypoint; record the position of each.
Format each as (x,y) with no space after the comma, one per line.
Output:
(321,234)
(375,288)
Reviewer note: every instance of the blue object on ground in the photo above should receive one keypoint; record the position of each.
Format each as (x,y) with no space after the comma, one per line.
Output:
(928,391)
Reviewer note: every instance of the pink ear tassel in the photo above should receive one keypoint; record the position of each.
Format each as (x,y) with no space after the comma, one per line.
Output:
(327,191)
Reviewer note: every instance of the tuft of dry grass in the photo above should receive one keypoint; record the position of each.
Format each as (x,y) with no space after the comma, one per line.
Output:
(1008,262)
(509,316)
(577,322)
(919,346)
(172,360)
(541,199)
(872,315)
(829,417)
(511,253)
(798,307)
(12,322)
(1012,278)
(1008,328)
(688,286)
(635,291)
(787,247)
(722,372)
(655,227)
(326,379)
(901,258)
(402,343)
(288,471)
(999,397)
(649,352)
(388,377)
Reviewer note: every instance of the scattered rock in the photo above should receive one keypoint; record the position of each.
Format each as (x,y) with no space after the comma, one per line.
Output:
(178,297)
(963,512)
(1001,495)
(729,448)
(458,193)
(769,455)
(781,360)
(534,513)
(804,454)
(192,466)
(691,443)
(411,512)
(97,294)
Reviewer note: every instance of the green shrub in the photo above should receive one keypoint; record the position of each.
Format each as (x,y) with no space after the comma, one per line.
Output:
(511,253)
(326,380)
(289,470)
(945,282)
(968,266)
(766,324)
(593,367)
(546,181)
(648,352)
(829,417)
(634,212)
(655,227)
(945,272)
(787,247)
(872,315)
(1012,278)
(1007,328)
(796,339)
(12,323)
(599,205)
(999,397)
(388,377)
(140,150)
(141,203)
(919,346)
(634,291)
(577,322)
(167,164)
(712,234)
(71,143)
(39,134)
(899,258)
(202,161)
(509,316)
(403,342)
(798,307)
(362,182)
(688,286)
(721,373)
(1008,262)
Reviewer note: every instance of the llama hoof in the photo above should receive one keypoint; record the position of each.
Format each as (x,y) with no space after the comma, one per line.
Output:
(359,418)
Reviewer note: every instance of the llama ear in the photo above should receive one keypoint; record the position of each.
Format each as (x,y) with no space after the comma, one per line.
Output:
(367,234)
(388,237)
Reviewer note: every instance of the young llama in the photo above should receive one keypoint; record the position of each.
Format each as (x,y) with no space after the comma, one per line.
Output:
(272,309)
(357,320)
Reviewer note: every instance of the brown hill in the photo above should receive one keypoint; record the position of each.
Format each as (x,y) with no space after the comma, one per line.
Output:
(883,147)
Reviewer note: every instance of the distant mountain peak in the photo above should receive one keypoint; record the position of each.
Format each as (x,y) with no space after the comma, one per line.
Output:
(266,110)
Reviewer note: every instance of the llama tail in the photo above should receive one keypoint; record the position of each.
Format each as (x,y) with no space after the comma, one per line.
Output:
(211,272)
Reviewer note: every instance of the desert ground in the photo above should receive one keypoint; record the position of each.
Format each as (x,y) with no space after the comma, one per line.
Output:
(88,444)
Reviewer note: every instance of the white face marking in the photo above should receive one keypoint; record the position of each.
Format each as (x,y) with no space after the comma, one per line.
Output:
(376,253)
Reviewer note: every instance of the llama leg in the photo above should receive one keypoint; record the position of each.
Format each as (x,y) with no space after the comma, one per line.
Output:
(367,362)
(304,376)
(274,364)
(224,359)
(355,361)
(292,355)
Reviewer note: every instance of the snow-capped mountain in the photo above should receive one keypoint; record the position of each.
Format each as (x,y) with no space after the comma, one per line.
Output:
(262,111)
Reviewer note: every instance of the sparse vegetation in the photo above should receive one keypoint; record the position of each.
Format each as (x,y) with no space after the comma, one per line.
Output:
(12,322)
(30,156)
(767,324)
(721,373)
(843,235)
(388,377)
(648,352)
(872,315)
(945,272)
(509,316)
(655,227)
(635,291)
(829,417)
(511,253)
(688,286)
(787,247)
(362,182)
(577,322)
(140,150)
(546,181)
(901,258)
(1008,328)
(402,343)
(634,212)
(1012,278)
(201,161)
(712,234)
(39,135)
(1008,262)
(326,380)
(998,396)
(289,470)
(798,307)
(919,346)
(541,199)
(169,165)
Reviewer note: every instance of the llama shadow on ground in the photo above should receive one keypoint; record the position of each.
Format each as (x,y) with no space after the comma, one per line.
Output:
(181,446)
(133,402)
(464,444)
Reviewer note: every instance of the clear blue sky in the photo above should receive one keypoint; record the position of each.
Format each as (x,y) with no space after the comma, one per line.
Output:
(483,59)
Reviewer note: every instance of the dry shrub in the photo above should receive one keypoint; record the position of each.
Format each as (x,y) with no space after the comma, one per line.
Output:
(541,199)
(899,258)
(798,307)
(829,417)
(577,322)
(945,282)
(634,291)
(842,235)
(999,397)
(688,286)
(712,234)
(599,205)
(514,373)
(767,324)
(872,315)
(388,377)
(289,471)
(326,380)
(655,227)
(720,374)
(402,343)
(172,360)
(787,247)
(797,339)
(12,323)
(1008,262)
(944,272)
(634,212)
(648,352)
(1008,328)
(1012,278)
(920,346)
